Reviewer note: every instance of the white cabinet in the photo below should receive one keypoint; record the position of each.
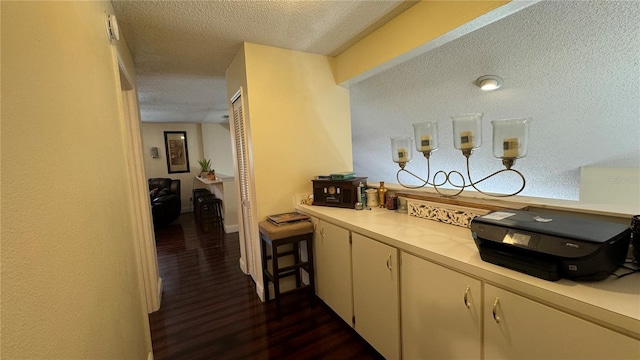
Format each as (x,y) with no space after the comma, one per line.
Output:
(333,268)
(375,294)
(441,311)
(520,328)
(446,314)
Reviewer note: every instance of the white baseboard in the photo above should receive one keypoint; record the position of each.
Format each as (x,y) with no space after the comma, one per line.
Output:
(243,266)
(260,291)
(231,228)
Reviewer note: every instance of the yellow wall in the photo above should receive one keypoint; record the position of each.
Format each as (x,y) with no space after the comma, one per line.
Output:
(300,124)
(420,24)
(153,136)
(70,282)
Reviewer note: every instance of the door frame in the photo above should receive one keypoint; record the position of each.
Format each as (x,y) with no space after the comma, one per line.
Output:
(145,243)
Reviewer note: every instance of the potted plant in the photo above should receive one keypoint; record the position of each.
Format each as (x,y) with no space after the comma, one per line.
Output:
(205,167)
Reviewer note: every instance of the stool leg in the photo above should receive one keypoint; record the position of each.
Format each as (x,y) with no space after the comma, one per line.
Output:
(276,277)
(203,223)
(296,260)
(219,212)
(311,270)
(265,277)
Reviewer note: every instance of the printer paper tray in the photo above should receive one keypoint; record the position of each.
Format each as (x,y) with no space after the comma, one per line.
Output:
(538,267)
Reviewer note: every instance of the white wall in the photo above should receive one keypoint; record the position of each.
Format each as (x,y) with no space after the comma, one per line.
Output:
(571,65)
(70,280)
(153,136)
(216,145)
(610,186)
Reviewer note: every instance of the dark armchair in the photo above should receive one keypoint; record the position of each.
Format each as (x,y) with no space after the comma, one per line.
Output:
(165,200)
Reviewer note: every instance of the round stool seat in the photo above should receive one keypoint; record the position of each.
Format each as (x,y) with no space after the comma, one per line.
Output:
(275,232)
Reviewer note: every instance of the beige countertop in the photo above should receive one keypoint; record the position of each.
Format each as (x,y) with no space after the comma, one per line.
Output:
(220,178)
(612,302)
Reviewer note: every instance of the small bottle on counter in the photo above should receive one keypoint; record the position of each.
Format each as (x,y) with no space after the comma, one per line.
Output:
(359,205)
(392,202)
(382,192)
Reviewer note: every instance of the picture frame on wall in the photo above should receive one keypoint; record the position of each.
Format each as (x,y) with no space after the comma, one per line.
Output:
(175,144)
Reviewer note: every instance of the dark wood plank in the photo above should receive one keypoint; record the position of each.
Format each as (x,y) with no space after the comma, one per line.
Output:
(210,309)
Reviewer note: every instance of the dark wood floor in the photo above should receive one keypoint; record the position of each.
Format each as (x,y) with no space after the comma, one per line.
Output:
(210,309)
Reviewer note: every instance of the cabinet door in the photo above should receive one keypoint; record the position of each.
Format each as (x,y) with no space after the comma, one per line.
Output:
(375,294)
(524,329)
(441,311)
(333,269)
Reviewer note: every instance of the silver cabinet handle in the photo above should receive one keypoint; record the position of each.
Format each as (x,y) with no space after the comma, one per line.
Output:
(467,303)
(389,262)
(495,311)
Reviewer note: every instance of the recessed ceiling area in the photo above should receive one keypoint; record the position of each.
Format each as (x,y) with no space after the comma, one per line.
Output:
(181,49)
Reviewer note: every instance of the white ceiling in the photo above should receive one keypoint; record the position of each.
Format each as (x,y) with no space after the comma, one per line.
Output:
(181,49)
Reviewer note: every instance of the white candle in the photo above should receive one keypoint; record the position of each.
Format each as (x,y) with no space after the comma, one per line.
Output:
(511,147)
(425,143)
(403,155)
(466,140)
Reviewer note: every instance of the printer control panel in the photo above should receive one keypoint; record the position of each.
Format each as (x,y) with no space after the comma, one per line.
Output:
(521,239)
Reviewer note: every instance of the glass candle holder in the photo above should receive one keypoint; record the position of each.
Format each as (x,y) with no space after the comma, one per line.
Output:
(467,131)
(510,138)
(426,136)
(401,149)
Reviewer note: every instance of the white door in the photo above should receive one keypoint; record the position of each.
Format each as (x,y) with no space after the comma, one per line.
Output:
(375,294)
(520,328)
(441,312)
(247,225)
(333,275)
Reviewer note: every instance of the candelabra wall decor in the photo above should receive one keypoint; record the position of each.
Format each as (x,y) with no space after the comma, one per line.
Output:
(510,142)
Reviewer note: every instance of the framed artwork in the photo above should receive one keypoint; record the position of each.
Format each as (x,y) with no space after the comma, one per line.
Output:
(175,143)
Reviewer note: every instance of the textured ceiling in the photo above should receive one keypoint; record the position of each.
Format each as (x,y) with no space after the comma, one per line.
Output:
(181,49)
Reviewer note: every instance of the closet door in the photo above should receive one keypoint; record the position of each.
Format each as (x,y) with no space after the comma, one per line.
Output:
(248,230)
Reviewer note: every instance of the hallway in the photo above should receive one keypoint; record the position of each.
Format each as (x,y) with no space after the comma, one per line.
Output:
(210,309)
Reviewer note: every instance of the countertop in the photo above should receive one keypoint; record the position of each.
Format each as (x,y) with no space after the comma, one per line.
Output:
(220,178)
(613,302)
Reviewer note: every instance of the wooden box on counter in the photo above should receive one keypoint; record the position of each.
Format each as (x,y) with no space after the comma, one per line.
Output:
(337,193)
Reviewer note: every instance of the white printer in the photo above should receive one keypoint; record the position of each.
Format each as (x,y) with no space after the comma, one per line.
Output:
(551,246)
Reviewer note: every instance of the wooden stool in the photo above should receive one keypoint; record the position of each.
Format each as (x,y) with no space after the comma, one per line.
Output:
(276,236)
(196,194)
(209,211)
